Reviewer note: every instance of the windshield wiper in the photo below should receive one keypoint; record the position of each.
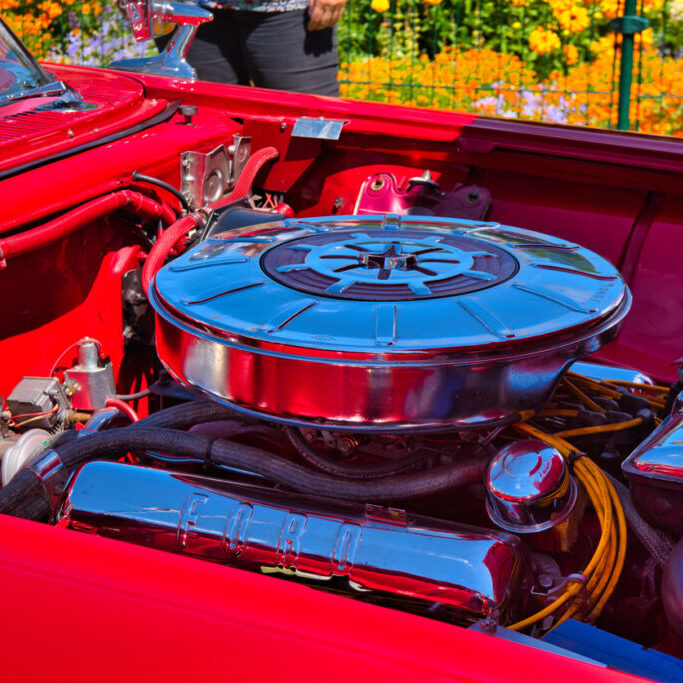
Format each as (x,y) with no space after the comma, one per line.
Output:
(53,89)
(69,99)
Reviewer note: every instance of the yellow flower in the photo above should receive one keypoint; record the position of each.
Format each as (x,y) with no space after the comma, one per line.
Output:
(575,19)
(432,2)
(543,41)
(380,5)
(85,8)
(646,37)
(516,25)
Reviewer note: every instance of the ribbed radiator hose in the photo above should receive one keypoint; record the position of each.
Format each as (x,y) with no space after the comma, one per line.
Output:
(135,203)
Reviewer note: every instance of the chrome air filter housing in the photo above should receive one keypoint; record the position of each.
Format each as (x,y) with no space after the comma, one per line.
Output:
(383,323)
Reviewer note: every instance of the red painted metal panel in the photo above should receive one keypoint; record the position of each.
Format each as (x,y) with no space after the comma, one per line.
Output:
(86,608)
(652,336)
(29,135)
(479,134)
(75,179)
(598,217)
(59,297)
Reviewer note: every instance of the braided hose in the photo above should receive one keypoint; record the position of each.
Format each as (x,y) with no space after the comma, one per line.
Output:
(176,232)
(134,202)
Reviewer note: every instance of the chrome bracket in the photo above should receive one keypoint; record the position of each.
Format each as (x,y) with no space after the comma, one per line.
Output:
(386,514)
(317,129)
(206,177)
(560,586)
(239,152)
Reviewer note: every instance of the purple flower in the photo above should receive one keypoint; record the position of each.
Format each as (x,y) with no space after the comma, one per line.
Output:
(555,114)
(112,41)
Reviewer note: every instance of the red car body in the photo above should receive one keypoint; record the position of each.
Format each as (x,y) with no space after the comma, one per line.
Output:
(79,607)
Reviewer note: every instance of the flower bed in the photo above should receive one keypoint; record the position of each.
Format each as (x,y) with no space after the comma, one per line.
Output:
(492,83)
(547,60)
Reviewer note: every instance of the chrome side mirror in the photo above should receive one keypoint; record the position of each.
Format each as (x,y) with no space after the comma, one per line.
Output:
(151,19)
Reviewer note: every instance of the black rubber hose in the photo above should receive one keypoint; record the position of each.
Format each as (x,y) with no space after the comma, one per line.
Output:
(25,492)
(139,177)
(229,429)
(113,443)
(186,415)
(348,470)
(134,397)
(24,495)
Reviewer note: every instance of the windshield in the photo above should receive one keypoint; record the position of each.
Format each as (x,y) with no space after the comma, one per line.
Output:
(19,71)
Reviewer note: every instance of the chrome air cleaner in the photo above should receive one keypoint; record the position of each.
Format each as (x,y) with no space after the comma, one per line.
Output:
(383,323)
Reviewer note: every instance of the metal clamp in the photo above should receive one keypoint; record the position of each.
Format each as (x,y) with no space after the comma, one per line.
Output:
(629,25)
(50,469)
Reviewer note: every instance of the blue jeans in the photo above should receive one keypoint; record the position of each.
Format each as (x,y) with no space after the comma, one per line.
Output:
(268,49)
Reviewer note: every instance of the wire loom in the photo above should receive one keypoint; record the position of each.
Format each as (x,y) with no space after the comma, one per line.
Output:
(586,597)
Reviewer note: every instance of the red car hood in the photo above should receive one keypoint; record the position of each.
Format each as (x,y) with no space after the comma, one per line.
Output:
(31,130)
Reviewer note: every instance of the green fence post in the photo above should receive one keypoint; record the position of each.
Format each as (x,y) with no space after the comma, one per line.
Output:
(628,26)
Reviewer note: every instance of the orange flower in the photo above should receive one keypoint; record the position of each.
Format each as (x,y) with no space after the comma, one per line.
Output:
(572,54)
(610,8)
(543,41)
(574,20)
(51,9)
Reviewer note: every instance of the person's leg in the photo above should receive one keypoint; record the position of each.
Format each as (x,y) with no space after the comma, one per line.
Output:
(216,51)
(283,55)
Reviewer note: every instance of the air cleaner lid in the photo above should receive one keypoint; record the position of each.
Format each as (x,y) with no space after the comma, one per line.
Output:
(389,283)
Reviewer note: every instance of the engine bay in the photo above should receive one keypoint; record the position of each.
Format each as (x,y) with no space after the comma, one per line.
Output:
(393,402)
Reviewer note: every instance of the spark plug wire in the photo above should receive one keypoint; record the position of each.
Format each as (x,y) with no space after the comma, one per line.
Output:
(602,572)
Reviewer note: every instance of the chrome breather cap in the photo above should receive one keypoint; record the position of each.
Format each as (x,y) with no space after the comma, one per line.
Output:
(529,487)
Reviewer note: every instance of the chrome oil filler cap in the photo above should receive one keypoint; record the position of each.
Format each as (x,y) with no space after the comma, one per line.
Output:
(383,323)
(529,487)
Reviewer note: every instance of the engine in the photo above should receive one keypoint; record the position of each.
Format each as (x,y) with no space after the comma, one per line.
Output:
(390,406)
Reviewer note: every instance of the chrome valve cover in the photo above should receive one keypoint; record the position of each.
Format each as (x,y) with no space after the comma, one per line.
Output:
(475,573)
(383,323)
